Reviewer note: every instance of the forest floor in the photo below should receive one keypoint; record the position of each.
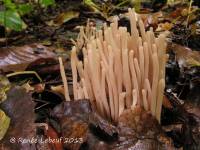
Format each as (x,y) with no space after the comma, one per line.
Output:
(30,81)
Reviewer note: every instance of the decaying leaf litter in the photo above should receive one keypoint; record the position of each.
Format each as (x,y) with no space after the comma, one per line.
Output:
(94,114)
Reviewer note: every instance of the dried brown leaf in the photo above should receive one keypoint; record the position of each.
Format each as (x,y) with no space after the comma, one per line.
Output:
(17,58)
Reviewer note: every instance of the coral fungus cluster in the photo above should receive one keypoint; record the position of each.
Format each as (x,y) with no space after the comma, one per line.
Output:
(121,70)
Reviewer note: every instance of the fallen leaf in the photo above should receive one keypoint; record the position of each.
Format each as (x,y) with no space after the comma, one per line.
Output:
(46,99)
(51,133)
(73,119)
(110,131)
(17,58)
(166,102)
(27,87)
(4,124)
(39,88)
(4,87)
(91,5)
(20,108)
(62,18)
(139,130)
(136,129)
(165,26)
(77,121)
(182,123)
(185,56)
(58,89)
(46,66)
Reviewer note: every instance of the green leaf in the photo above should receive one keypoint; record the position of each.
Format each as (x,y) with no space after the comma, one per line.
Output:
(12,20)
(24,9)
(46,3)
(9,4)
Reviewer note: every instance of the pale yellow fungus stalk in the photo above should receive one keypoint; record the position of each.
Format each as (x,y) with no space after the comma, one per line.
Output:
(64,79)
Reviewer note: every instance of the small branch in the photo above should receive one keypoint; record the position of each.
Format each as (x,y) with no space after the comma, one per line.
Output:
(25,72)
